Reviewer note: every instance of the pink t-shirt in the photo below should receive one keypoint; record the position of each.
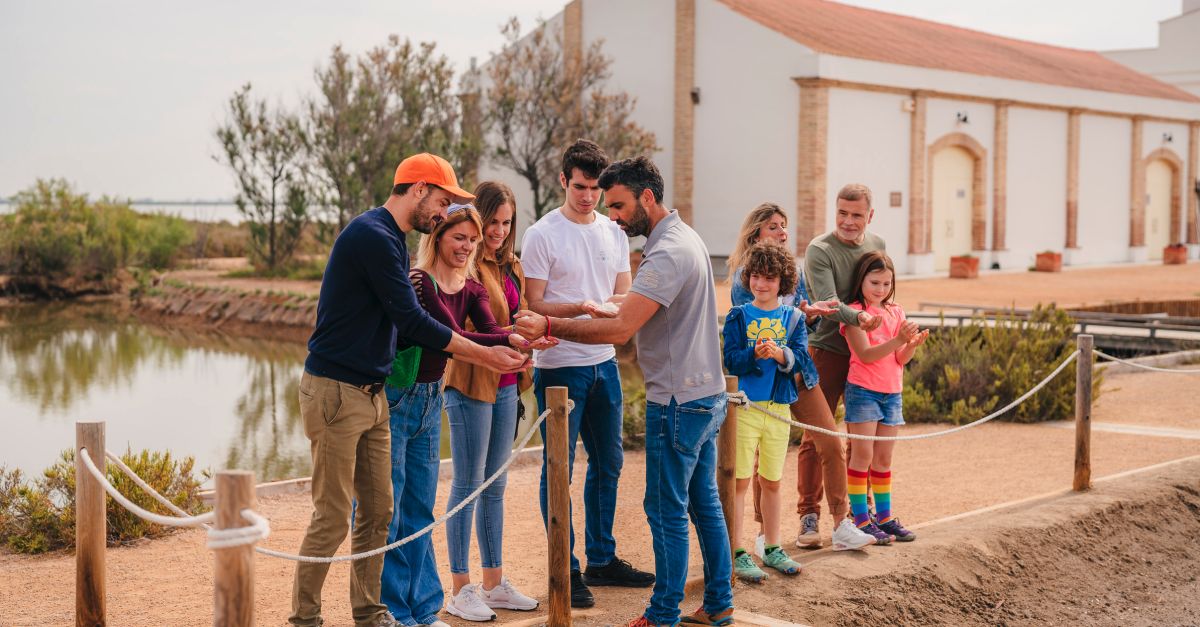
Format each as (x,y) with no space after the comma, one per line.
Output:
(887,374)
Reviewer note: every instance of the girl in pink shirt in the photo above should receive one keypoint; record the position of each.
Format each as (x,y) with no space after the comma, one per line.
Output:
(873,386)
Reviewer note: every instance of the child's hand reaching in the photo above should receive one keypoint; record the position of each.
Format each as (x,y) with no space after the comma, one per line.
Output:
(907,331)
(918,339)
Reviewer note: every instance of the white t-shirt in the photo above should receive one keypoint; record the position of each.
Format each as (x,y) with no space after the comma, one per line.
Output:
(578,262)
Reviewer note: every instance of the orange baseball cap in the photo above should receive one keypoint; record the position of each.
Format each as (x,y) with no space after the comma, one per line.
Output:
(432,169)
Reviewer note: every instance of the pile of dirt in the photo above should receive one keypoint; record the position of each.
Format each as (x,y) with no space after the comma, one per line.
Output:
(1125,554)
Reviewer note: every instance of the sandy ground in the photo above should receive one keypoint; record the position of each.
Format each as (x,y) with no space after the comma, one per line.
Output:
(978,570)
(1073,286)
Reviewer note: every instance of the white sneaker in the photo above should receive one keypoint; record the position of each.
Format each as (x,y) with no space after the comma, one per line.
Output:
(760,546)
(506,597)
(468,604)
(435,623)
(847,537)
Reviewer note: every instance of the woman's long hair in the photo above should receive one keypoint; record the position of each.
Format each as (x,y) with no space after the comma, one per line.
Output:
(489,197)
(427,252)
(748,236)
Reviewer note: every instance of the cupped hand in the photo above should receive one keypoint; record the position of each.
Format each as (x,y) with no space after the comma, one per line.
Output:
(819,308)
(868,322)
(506,360)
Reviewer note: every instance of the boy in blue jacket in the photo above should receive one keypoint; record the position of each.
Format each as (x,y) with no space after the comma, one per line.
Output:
(766,347)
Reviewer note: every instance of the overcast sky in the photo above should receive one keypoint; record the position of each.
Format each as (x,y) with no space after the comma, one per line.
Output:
(121,97)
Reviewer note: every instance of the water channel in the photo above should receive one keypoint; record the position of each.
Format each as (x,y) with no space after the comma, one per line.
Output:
(230,402)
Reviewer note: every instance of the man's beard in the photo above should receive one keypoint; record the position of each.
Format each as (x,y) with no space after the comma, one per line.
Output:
(639,224)
(426,217)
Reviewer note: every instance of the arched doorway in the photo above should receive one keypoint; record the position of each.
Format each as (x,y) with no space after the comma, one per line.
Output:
(950,228)
(957,198)
(1162,208)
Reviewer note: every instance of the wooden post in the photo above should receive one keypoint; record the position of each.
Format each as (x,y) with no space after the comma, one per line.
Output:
(91,529)
(727,460)
(1083,414)
(233,572)
(558,507)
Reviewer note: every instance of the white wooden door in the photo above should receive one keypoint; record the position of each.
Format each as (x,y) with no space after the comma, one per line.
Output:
(953,174)
(1158,208)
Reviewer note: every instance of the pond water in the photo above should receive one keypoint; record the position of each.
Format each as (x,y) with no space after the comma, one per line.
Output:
(229,402)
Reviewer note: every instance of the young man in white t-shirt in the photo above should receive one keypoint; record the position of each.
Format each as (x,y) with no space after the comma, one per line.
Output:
(576,264)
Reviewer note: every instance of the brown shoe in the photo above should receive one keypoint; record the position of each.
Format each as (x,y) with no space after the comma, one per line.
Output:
(724,618)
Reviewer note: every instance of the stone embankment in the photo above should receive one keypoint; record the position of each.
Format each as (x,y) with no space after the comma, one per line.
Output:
(273,315)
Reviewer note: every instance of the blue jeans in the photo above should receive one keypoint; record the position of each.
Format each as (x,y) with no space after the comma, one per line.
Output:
(863,405)
(681,481)
(596,419)
(481,440)
(412,590)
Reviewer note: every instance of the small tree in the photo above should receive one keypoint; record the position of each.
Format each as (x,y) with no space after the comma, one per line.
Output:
(263,147)
(541,99)
(372,111)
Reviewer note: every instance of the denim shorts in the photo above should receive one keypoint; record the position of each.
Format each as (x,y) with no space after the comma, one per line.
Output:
(863,405)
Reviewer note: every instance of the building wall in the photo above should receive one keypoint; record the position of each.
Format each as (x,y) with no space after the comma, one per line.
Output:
(1176,60)
(643,65)
(747,122)
(868,144)
(1037,184)
(1103,190)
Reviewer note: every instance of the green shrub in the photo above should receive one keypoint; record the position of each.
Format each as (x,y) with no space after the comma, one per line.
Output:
(57,233)
(963,373)
(39,516)
(633,415)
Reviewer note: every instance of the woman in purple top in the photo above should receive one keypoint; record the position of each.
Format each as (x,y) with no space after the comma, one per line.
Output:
(443,279)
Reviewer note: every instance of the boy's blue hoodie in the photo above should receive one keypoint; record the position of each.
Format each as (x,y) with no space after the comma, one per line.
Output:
(740,361)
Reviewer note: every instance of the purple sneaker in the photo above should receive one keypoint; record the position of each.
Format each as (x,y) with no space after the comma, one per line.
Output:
(897,530)
(881,536)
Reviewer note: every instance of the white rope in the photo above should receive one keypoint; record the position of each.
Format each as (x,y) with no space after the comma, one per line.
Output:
(259,529)
(739,398)
(170,521)
(431,526)
(116,459)
(1144,366)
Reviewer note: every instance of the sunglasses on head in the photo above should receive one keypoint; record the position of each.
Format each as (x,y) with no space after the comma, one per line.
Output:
(455,208)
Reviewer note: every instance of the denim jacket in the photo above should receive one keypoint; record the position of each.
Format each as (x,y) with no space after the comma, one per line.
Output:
(740,361)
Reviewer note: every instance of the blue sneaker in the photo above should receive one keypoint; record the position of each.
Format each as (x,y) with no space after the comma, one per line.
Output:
(881,536)
(897,530)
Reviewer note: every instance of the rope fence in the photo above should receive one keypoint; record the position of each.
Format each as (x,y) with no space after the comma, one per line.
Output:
(90,521)
(740,399)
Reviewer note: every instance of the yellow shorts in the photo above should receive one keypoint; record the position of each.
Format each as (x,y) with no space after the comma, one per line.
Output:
(758,431)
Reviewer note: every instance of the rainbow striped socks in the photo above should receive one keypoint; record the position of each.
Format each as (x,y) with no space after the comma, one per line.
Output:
(881,486)
(856,488)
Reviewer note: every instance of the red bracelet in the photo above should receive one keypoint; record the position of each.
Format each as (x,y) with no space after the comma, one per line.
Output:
(548,328)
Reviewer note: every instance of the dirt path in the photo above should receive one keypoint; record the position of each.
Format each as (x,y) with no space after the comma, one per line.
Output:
(1032,567)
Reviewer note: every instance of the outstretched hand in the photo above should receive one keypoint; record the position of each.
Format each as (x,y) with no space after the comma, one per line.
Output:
(530,325)
(597,310)
(520,343)
(505,360)
(819,308)
(868,322)
(908,330)
(919,338)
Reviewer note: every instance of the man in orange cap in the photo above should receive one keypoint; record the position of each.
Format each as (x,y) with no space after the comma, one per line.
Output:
(366,302)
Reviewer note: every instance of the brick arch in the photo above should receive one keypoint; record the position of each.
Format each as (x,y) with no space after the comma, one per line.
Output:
(1137,235)
(978,190)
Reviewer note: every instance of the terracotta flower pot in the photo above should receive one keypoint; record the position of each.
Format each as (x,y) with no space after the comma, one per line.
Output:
(964,267)
(1175,254)
(1049,262)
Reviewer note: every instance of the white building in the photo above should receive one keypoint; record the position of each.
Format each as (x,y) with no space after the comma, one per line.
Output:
(1176,60)
(972,143)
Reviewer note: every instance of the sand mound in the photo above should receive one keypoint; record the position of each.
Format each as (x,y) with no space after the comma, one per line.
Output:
(1125,554)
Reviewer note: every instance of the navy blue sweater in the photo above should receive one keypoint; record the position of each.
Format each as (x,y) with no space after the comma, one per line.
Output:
(366,300)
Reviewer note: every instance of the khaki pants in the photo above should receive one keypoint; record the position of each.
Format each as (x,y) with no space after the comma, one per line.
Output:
(351,452)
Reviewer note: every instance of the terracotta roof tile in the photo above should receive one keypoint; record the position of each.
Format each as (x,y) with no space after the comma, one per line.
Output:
(847,31)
